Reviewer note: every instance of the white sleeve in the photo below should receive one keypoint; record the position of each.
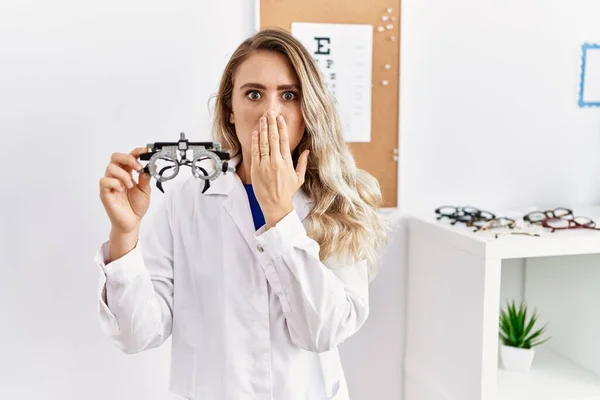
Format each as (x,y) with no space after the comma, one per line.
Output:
(323,306)
(138,314)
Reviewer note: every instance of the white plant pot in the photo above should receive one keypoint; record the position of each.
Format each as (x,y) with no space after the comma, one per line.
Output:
(516,359)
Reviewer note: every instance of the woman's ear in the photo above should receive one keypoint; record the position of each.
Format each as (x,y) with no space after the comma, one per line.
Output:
(231,119)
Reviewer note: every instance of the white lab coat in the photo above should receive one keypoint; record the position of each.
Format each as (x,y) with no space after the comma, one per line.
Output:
(252,314)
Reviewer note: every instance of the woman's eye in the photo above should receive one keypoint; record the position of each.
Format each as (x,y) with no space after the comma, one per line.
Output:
(289,95)
(253,95)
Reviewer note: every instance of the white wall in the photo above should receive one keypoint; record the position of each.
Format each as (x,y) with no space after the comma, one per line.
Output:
(565,293)
(486,81)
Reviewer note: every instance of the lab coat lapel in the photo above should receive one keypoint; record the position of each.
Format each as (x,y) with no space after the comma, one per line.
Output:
(236,202)
(237,206)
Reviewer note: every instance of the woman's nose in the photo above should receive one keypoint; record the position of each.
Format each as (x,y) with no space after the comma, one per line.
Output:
(273,104)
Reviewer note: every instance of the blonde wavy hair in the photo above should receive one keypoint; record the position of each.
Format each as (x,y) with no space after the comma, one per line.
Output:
(344,219)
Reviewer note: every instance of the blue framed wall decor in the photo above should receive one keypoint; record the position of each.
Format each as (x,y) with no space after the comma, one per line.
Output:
(589,81)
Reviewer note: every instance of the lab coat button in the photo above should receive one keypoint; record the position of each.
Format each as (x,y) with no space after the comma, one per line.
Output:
(260,248)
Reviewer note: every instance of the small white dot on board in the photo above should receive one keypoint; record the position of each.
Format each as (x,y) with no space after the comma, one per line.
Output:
(384,83)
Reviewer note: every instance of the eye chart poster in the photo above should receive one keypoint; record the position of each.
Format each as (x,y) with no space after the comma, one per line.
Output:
(344,53)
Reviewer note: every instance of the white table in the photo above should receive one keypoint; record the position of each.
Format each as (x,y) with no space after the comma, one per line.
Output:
(456,277)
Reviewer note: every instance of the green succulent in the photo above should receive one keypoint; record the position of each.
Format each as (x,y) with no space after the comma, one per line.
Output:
(516,330)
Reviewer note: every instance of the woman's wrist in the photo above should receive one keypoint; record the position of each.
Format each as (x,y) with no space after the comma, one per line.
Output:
(121,243)
(274,215)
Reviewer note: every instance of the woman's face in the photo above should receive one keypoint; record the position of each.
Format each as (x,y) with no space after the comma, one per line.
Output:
(266,81)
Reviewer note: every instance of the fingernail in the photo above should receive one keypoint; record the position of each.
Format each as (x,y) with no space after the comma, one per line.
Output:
(271,113)
(280,118)
(263,120)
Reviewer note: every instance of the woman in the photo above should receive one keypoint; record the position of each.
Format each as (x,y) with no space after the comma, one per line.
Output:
(259,278)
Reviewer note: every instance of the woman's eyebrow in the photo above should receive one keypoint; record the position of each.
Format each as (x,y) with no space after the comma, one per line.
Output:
(263,87)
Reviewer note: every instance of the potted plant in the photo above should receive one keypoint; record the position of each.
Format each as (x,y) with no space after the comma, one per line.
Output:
(518,337)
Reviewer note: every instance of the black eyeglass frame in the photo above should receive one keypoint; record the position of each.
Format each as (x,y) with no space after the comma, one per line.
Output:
(465,214)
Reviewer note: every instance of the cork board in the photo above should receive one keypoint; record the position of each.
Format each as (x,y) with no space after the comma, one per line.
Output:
(379,157)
